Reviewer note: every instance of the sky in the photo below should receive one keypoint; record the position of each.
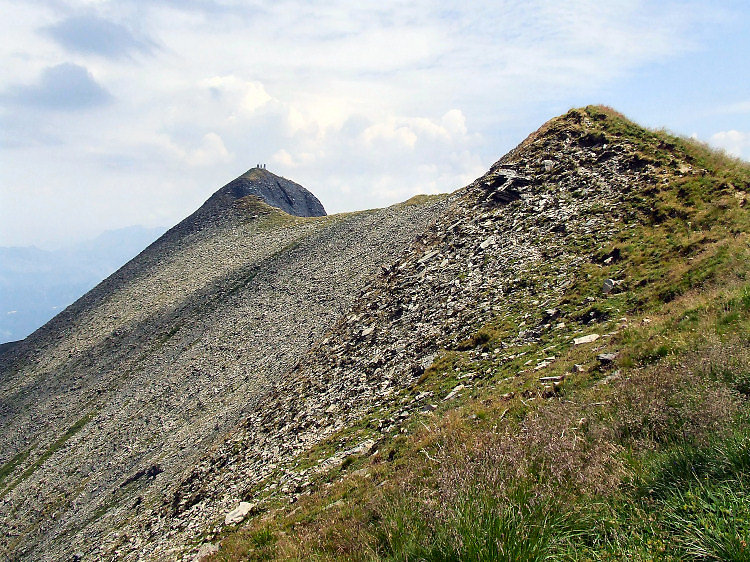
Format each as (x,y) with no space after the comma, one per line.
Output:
(134,112)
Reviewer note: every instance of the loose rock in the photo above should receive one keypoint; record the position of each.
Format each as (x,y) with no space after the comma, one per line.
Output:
(238,513)
(606,357)
(586,339)
(453,393)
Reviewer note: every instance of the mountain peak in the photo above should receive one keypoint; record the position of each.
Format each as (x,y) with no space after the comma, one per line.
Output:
(590,127)
(274,190)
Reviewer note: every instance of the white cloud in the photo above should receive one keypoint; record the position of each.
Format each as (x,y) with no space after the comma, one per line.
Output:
(242,95)
(91,34)
(286,161)
(401,136)
(735,143)
(211,151)
(283,158)
(455,122)
(364,104)
(63,87)
(364,163)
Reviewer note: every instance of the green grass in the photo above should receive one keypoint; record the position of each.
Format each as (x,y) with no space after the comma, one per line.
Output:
(8,468)
(54,447)
(690,503)
(644,459)
(482,526)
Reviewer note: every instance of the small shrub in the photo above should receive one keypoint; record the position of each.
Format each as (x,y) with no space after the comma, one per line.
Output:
(480,338)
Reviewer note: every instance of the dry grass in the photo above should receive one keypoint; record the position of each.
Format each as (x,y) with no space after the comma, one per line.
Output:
(672,403)
(491,490)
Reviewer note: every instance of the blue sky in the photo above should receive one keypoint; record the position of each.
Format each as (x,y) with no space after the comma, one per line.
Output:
(133,112)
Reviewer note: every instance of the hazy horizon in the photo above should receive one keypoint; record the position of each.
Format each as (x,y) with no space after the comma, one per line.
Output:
(37,283)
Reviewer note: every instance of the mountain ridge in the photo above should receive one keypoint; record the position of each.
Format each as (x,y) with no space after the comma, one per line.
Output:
(261,357)
(507,210)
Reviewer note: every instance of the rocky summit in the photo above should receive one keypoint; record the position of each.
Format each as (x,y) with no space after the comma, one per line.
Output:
(261,355)
(257,182)
(276,191)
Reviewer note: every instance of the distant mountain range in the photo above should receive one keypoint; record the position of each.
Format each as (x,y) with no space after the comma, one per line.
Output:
(36,284)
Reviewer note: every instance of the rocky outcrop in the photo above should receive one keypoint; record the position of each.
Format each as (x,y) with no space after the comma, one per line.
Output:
(257,183)
(273,190)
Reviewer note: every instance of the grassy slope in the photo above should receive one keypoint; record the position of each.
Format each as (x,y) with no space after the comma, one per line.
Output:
(643,458)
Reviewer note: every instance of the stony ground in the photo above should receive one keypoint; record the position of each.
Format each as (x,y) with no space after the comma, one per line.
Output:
(104,407)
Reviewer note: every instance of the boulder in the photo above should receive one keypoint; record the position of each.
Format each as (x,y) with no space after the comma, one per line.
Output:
(238,513)
(453,393)
(586,339)
(606,357)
